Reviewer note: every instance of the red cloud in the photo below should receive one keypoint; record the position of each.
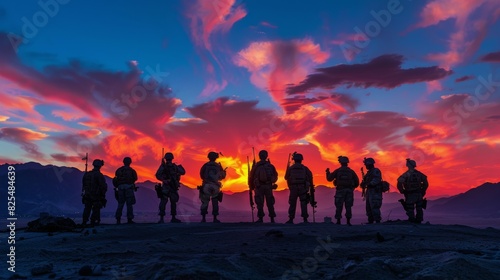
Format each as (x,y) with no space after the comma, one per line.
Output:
(276,64)
(472,21)
(464,78)
(383,72)
(24,137)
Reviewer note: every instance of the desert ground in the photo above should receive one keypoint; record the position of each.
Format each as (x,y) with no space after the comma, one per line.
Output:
(390,250)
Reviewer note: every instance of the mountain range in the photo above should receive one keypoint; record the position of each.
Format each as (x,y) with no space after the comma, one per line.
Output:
(57,190)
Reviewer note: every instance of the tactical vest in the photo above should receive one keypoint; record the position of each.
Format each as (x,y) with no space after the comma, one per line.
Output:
(212,172)
(413,181)
(170,172)
(369,177)
(125,175)
(297,175)
(344,178)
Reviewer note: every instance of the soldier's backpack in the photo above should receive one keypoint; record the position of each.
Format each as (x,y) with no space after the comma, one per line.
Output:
(297,175)
(413,182)
(344,178)
(212,170)
(90,187)
(265,175)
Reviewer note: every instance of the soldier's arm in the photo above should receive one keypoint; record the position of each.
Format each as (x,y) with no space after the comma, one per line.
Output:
(116,172)
(377,177)
(425,184)
(181,170)
(331,176)
(102,183)
(159,173)
(309,176)
(356,178)
(400,185)
(287,173)
(135,175)
(222,173)
(275,174)
(202,172)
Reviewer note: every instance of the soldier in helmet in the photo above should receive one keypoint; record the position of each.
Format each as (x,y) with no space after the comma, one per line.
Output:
(372,181)
(345,180)
(413,184)
(169,174)
(299,178)
(211,174)
(94,193)
(125,178)
(263,177)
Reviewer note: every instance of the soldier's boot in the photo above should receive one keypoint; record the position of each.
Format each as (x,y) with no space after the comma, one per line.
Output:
(306,221)
(175,220)
(118,221)
(338,221)
(203,220)
(215,219)
(161,221)
(272,220)
(290,221)
(129,221)
(259,221)
(349,221)
(377,221)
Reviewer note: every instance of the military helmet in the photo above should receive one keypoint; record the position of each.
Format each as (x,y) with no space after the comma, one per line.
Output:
(213,155)
(263,154)
(98,162)
(343,159)
(411,163)
(127,160)
(297,157)
(369,161)
(169,156)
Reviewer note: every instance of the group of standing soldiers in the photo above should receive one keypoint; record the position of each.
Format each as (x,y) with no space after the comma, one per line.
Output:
(262,181)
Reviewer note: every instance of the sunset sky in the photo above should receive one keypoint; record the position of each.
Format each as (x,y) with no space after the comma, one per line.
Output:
(383,79)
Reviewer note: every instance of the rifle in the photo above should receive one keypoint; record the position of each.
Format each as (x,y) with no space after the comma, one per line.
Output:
(250,192)
(363,189)
(86,158)
(313,201)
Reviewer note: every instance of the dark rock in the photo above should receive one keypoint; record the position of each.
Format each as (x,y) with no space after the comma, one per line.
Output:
(51,224)
(275,233)
(86,270)
(380,238)
(41,270)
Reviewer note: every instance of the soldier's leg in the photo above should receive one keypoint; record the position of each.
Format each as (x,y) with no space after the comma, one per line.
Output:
(339,202)
(376,203)
(292,201)
(96,213)
(270,203)
(174,198)
(130,200)
(420,212)
(303,206)
(259,200)
(215,206)
(349,202)
(121,203)
(204,204)
(368,209)
(86,212)
(162,206)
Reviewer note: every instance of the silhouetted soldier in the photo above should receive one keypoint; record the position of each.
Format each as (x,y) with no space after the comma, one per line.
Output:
(169,174)
(372,181)
(211,174)
(94,193)
(125,177)
(345,180)
(413,184)
(264,177)
(299,179)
